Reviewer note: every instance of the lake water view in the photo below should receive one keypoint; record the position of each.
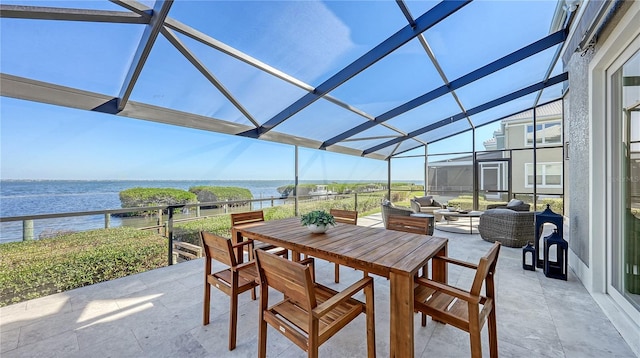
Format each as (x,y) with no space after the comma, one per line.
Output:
(33,197)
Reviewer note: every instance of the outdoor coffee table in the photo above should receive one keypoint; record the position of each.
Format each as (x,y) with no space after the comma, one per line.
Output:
(457,214)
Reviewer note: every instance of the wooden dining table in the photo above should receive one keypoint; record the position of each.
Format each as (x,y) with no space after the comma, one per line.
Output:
(396,255)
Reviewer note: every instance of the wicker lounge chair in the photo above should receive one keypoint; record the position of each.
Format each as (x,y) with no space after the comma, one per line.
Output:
(389,209)
(509,227)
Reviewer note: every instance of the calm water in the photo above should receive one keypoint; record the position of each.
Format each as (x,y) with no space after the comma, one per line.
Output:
(25,197)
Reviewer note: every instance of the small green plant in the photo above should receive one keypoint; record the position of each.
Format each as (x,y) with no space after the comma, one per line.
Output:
(319,218)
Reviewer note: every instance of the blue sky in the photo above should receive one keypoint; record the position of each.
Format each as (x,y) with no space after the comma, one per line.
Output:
(40,141)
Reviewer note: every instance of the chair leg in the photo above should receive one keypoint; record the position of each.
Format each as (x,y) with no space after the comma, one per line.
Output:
(233,319)
(475,340)
(262,337)
(424,319)
(313,343)
(336,275)
(206,304)
(493,334)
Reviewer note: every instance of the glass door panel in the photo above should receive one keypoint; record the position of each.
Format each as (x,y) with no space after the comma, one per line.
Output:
(624,260)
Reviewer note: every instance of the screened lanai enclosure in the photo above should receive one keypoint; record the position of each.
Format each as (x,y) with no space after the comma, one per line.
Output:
(468,91)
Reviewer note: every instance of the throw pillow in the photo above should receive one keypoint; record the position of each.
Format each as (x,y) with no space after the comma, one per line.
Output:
(514,202)
(424,200)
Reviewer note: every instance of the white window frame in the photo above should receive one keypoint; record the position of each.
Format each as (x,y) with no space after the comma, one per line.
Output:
(544,139)
(528,169)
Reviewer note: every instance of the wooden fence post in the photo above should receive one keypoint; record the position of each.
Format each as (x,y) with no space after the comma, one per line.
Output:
(27,230)
(355,201)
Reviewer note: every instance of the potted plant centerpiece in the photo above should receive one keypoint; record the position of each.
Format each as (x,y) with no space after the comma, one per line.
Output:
(318,221)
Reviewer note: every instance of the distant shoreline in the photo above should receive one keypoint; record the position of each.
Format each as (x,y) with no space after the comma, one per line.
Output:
(307,181)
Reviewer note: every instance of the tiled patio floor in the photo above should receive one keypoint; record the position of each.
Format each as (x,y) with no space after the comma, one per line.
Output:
(159,314)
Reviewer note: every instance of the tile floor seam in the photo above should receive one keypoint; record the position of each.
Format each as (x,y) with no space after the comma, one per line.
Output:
(133,333)
(553,320)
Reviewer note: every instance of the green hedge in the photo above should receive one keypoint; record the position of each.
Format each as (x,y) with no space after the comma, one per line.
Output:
(141,197)
(32,269)
(207,194)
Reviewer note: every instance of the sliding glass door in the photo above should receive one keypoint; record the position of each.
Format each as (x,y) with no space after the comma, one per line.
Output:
(624,244)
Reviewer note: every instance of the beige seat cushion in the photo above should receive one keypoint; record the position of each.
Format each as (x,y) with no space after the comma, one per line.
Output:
(424,200)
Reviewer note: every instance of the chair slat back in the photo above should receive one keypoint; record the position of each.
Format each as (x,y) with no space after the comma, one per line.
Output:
(291,278)
(486,267)
(345,216)
(415,225)
(247,217)
(218,248)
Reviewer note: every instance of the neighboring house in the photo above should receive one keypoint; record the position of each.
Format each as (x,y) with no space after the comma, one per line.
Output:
(517,132)
(513,140)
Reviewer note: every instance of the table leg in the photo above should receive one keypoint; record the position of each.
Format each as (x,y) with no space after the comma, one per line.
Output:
(401,315)
(439,267)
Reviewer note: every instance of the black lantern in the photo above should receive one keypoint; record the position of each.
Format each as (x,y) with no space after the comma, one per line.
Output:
(558,268)
(547,216)
(529,257)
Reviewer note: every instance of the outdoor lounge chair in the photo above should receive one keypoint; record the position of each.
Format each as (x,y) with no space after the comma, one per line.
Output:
(389,209)
(511,228)
(425,204)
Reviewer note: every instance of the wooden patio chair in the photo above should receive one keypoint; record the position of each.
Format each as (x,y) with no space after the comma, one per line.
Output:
(415,225)
(234,280)
(345,217)
(466,310)
(310,313)
(411,224)
(248,218)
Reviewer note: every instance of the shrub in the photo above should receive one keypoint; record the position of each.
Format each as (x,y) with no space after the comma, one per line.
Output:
(141,197)
(37,268)
(206,194)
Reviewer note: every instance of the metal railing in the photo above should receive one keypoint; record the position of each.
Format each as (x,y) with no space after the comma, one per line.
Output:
(165,226)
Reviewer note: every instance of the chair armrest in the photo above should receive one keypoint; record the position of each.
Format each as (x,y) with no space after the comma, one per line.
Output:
(456,262)
(450,290)
(414,206)
(242,243)
(343,295)
(244,266)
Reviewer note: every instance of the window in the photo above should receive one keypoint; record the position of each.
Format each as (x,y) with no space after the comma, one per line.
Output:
(546,134)
(549,175)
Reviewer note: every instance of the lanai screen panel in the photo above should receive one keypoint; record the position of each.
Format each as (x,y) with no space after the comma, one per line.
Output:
(484,31)
(87,56)
(396,79)
(431,112)
(260,69)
